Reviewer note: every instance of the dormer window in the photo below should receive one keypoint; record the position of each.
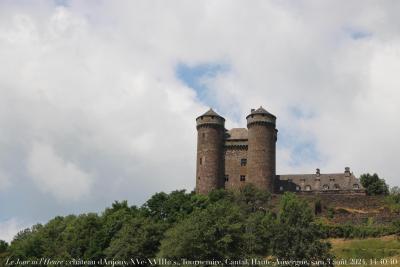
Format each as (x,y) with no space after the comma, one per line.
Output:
(356,186)
(332,179)
(325,187)
(308,188)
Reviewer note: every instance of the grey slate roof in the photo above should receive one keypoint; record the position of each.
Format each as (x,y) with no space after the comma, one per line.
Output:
(261,110)
(211,112)
(323,182)
(237,134)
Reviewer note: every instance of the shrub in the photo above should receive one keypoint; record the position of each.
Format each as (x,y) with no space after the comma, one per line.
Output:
(374,185)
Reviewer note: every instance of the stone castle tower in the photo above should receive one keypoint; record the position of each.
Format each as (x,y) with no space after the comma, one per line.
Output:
(210,146)
(229,159)
(232,158)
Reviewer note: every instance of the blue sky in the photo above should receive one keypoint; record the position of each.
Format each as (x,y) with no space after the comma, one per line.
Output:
(198,78)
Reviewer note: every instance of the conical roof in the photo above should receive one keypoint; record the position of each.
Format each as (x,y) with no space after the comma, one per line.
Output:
(211,112)
(260,110)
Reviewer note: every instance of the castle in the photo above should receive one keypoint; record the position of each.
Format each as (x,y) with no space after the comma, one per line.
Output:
(232,158)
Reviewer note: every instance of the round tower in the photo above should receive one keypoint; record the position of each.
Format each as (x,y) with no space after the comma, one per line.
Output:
(261,154)
(210,142)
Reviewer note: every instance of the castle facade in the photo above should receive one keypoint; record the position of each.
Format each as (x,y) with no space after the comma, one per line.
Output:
(232,158)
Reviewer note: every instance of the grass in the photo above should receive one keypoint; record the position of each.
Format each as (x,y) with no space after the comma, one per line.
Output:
(387,248)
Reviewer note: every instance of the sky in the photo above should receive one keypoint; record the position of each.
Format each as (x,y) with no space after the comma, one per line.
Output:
(98,99)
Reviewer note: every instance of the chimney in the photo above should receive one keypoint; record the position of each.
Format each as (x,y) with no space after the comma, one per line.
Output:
(318,172)
(347,171)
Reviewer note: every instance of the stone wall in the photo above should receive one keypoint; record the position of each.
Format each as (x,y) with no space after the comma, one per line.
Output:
(209,171)
(233,168)
(261,155)
(350,208)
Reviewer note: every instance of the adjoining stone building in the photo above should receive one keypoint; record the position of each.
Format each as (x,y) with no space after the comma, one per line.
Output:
(232,158)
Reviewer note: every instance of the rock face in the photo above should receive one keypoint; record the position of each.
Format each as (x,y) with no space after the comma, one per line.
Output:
(232,158)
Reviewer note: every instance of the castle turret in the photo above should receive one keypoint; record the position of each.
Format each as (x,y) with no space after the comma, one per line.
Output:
(210,141)
(261,154)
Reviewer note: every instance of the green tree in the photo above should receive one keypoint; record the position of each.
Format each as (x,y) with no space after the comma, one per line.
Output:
(296,236)
(139,237)
(115,217)
(258,235)
(374,185)
(3,251)
(393,199)
(27,243)
(171,207)
(213,233)
(252,199)
(3,246)
(52,239)
(84,237)
(396,226)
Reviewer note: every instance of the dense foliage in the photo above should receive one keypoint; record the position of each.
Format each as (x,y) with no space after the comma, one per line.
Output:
(374,185)
(393,199)
(222,225)
(358,231)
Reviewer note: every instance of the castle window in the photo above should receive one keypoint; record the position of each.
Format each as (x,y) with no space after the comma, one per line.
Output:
(332,179)
(242,178)
(308,188)
(204,135)
(297,188)
(243,162)
(356,186)
(201,161)
(198,178)
(336,187)
(226,177)
(325,187)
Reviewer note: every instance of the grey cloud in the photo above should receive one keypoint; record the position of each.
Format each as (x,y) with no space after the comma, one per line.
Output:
(93,83)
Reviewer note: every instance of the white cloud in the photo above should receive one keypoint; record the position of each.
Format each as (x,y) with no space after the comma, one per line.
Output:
(4,181)
(53,175)
(90,104)
(9,228)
